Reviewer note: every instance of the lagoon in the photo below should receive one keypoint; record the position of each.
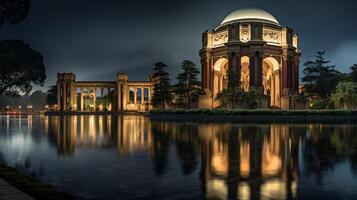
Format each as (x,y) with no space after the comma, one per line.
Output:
(134,157)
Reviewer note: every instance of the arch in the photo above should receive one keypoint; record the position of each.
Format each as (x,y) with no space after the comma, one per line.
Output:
(139,95)
(146,95)
(272,62)
(271,80)
(220,63)
(131,95)
(220,75)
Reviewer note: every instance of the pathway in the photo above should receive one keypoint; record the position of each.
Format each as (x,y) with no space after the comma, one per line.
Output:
(9,192)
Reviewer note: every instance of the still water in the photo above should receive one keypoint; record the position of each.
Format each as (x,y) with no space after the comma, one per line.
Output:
(131,157)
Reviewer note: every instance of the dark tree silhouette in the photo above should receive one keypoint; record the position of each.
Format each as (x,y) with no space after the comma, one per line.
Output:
(52,95)
(20,67)
(188,87)
(14,11)
(162,89)
(320,78)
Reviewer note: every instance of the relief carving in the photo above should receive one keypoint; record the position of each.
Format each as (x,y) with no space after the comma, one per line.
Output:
(272,36)
(219,39)
(244,33)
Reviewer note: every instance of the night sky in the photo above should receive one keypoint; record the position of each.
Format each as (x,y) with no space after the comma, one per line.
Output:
(95,39)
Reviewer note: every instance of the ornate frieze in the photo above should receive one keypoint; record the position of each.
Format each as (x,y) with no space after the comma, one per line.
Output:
(272,36)
(220,38)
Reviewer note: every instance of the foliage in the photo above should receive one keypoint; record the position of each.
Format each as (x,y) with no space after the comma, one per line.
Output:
(232,112)
(319,103)
(52,95)
(188,87)
(233,94)
(14,11)
(253,97)
(320,78)
(162,90)
(20,67)
(345,95)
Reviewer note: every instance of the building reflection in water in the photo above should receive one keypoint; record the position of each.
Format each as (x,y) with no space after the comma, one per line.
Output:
(127,134)
(234,161)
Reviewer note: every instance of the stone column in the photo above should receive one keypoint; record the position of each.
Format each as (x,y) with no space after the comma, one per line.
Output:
(59,96)
(149,95)
(252,76)
(81,97)
(278,92)
(65,96)
(74,97)
(142,95)
(272,90)
(238,68)
(259,70)
(94,97)
(120,98)
(285,72)
(135,95)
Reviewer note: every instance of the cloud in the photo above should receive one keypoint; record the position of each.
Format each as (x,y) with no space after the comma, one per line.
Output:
(345,55)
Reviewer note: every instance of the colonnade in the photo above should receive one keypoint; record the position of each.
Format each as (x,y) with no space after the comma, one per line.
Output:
(117,98)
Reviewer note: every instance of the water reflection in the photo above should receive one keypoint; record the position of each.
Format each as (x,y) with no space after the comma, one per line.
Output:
(229,161)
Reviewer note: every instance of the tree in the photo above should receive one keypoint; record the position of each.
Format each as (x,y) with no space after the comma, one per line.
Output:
(162,90)
(188,87)
(233,93)
(20,67)
(354,73)
(252,97)
(320,78)
(52,95)
(13,11)
(345,95)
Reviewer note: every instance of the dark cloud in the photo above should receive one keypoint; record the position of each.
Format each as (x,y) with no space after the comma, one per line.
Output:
(97,38)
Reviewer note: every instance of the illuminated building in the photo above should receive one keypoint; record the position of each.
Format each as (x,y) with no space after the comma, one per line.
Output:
(263,53)
(120,95)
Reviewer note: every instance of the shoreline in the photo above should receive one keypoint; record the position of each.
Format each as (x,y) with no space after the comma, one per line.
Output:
(256,116)
(31,186)
(57,113)
(253,118)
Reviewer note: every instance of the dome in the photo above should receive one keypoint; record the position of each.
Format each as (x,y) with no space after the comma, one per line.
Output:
(251,14)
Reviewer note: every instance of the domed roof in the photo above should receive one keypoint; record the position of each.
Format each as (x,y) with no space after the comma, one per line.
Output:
(251,14)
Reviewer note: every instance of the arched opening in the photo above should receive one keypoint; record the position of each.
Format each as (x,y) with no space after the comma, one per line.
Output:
(220,78)
(146,95)
(271,80)
(138,96)
(131,95)
(244,77)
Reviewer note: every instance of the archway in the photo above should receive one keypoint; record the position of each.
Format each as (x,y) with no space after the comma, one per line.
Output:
(271,80)
(244,73)
(220,78)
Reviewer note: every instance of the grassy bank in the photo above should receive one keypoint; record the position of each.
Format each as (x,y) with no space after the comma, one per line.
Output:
(255,116)
(253,112)
(31,186)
